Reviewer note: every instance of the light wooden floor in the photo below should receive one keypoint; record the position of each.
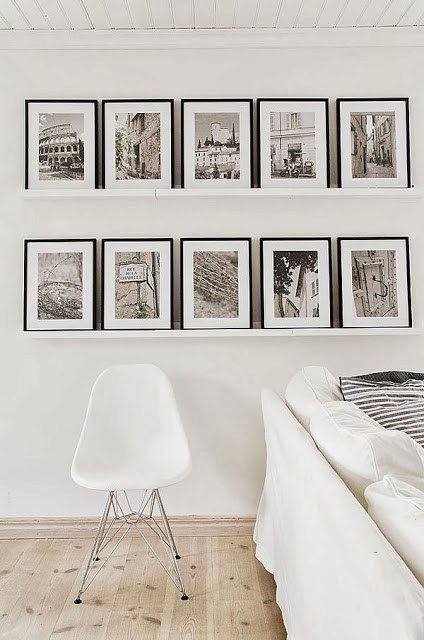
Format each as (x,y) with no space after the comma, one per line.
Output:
(231,595)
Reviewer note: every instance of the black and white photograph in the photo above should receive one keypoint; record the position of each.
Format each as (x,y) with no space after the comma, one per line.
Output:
(61,144)
(137,144)
(59,284)
(216,143)
(216,283)
(293,143)
(137,283)
(373,143)
(375,282)
(296,282)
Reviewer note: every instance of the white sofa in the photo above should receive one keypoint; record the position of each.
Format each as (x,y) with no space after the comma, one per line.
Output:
(337,576)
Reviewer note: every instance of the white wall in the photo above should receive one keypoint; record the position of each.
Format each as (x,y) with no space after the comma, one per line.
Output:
(45,384)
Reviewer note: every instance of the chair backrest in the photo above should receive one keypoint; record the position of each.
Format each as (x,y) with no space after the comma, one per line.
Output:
(132,423)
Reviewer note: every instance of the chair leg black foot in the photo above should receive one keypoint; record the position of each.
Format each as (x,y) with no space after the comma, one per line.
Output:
(77,601)
(184,597)
(96,559)
(177,557)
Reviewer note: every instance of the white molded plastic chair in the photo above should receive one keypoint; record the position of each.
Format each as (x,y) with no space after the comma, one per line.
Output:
(132,439)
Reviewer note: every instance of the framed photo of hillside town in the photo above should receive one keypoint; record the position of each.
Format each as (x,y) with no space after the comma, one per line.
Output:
(61,144)
(296,282)
(216,142)
(59,285)
(137,283)
(216,283)
(374,282)
(293,143)
(138,144)
(373,140)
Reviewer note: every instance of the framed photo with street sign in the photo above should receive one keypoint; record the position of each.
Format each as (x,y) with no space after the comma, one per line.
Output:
(374,282)
(373,142)
(137,283)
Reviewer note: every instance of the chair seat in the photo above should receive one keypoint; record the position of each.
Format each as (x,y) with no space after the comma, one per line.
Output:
(127,479)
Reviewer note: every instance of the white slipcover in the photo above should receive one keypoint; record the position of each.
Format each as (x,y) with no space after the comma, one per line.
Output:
(337,577)
(308,389)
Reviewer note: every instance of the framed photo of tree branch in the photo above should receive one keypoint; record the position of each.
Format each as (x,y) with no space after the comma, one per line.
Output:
(296,282)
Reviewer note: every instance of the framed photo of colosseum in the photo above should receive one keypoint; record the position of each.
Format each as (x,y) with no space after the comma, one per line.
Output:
(373,142)
(293,143)
(374,282)
(138,144)
(59,285)
(216,144)
(216,283)
(60,144)
(137,283)
(296,283)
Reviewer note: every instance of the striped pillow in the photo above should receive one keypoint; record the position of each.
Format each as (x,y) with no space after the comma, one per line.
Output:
(395,399)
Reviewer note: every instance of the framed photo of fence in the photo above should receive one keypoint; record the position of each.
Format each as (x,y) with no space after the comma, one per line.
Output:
(216,283)
(137,283)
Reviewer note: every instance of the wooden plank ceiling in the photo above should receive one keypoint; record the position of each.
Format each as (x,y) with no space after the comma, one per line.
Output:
(207,14)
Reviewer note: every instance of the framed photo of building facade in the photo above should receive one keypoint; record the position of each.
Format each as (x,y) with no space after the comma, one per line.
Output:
(373,142)
(59,285)
(216,283)
(137,283)
(138,144)
(374,282)
(293,142)
(216,143)
(60,144)
(296,282)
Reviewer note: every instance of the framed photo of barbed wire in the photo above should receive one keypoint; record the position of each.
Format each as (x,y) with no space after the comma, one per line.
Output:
(61,144)
(216,283)
(293,143)
(59,285)
(296,282)
(373,141)
(216,144)
(374,282)
(138,144)
(137,283)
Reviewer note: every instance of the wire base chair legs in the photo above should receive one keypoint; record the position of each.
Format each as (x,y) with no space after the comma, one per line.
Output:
(126,519)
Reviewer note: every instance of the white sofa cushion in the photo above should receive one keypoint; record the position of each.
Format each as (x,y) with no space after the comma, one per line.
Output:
(359,449)
(308,389)
(396,504)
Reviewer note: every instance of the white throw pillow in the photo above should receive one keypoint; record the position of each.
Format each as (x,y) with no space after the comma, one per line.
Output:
(308,389)
(396,504)
(359,449)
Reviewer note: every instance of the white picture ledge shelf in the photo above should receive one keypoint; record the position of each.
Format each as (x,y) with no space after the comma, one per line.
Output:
(169,194)
(219,333)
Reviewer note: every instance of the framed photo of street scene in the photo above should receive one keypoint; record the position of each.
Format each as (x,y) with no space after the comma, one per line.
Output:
(137,283)
(374,285)
(373,142)
(293,142)
(296,282)
(60,144)
(216,283)
(216,143)
(59,285)
(138,144)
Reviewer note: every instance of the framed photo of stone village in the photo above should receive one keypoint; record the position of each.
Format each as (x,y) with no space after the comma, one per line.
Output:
(216,144)
(293,143)
(137,283)
(373,142)
(61,144)
(138,144)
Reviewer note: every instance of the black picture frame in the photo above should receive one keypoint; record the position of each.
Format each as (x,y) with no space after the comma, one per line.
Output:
(326,102)
(404,239)
(215,239)
(171,102)
(250,102)
(104,241)
(63,101)
(326,239)
(339,102)
(93,243)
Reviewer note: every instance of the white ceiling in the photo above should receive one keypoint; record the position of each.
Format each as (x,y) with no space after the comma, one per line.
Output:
(207,14)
